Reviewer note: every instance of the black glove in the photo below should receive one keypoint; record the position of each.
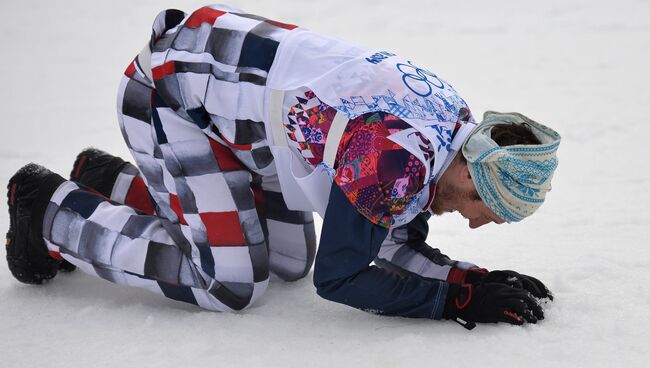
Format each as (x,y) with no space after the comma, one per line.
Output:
(510,278)
(490,303)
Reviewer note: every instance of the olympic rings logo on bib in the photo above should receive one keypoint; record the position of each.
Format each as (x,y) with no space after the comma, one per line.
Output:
(417,79)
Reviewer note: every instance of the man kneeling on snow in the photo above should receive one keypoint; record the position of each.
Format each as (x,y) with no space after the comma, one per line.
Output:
(241,127)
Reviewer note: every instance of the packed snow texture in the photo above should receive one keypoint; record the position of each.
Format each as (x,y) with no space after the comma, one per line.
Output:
(579,66)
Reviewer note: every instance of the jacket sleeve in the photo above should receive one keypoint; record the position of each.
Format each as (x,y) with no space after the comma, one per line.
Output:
(349,243)
(405,251)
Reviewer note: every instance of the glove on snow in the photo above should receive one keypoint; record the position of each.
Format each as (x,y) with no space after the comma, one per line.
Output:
(490,303)
(511,278)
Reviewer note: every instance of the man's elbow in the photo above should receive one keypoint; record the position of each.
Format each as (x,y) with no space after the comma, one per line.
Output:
(329,289)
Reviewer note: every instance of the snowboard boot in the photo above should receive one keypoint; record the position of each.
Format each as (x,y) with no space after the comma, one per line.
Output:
(28,194)
(97,170)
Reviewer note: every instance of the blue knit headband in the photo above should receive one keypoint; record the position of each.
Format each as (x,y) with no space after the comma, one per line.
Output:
(511,180)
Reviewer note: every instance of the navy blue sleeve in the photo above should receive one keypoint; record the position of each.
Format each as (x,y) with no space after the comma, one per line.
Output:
(349,243)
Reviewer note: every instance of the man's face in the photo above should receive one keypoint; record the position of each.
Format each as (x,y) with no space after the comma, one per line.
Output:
(451,198)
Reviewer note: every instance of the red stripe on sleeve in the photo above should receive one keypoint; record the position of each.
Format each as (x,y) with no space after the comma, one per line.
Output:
(281,25)
(203,15)
(161,71)
(456,276)
(223,229)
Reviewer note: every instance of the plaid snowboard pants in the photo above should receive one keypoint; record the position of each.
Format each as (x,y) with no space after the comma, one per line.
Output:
(210,222)
(204,229)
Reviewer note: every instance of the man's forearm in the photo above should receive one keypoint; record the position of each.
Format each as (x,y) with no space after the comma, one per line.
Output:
(406,251)
(378,291)
(349,243)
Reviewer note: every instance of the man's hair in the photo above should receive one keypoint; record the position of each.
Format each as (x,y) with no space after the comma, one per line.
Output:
(507,135)
(510,135)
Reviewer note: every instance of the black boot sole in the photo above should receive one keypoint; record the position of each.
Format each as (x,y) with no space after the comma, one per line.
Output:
(27,255)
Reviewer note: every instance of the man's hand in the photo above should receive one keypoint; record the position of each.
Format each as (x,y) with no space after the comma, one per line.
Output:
(510,278)
(514,279)
(491,302)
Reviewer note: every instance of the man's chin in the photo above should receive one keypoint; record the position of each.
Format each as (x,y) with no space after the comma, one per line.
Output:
(437,211)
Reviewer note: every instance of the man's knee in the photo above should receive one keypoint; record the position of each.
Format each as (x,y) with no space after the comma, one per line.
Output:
(289,269)
(292,248)
(292,266)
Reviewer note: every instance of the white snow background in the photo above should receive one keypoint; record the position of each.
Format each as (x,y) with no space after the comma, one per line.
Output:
(581,67)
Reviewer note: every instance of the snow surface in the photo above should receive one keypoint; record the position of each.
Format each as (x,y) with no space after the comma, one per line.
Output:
(579,66)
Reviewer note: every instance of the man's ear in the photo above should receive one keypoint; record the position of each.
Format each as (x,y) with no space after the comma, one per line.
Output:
(464,177)
(464,174)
